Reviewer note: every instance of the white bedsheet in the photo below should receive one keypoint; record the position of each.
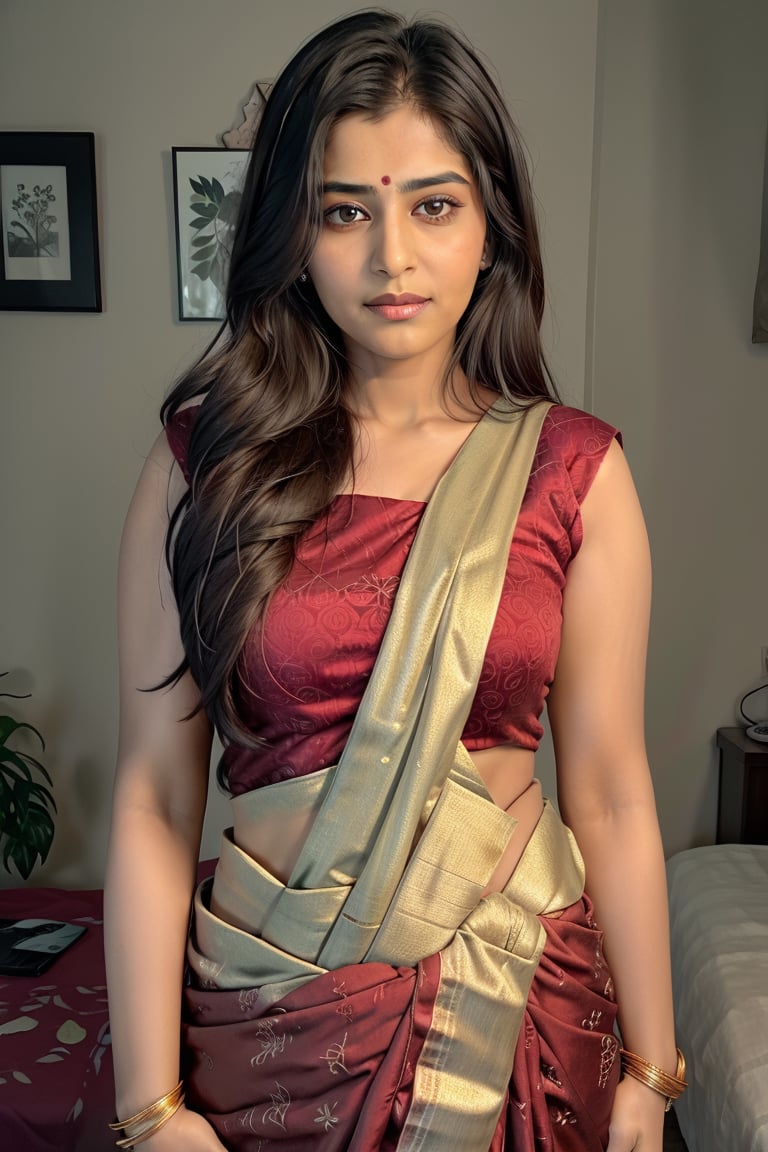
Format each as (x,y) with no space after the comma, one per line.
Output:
(719,933)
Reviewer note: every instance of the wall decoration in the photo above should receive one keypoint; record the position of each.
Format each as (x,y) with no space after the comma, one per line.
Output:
(49,222)
(242,135)
(207,187)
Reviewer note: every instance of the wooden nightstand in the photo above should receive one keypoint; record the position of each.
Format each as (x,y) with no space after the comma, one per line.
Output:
(742,813)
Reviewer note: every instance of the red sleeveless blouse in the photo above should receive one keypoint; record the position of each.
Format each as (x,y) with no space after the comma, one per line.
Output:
(302,676)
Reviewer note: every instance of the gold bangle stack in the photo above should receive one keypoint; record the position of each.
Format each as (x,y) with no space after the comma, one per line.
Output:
(654,1077)
(150,1119)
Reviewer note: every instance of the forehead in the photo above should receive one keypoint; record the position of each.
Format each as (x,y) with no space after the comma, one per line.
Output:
(397,143)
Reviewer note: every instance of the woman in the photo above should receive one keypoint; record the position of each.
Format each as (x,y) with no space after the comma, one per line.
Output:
(396,950)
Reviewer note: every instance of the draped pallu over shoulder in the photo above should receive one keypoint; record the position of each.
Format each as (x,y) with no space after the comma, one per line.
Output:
(404,836)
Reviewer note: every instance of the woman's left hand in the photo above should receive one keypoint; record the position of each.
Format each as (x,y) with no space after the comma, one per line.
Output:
(637,1119)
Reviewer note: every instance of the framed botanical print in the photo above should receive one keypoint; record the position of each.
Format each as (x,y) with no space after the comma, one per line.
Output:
(49,222)
(207,188)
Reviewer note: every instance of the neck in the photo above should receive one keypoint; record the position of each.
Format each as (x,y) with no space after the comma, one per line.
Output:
(405,394)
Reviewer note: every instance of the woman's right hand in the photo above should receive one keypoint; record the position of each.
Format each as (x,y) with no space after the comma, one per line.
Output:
(185,1132)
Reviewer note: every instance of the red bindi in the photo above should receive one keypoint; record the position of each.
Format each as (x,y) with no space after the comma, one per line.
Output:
(386,179)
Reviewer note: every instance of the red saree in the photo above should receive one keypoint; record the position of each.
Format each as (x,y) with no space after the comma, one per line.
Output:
(380,999)
(331,1066)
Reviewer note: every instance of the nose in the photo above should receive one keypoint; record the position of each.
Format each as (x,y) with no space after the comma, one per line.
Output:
(392,251)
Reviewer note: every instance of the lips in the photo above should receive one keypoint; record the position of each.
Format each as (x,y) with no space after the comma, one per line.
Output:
(390,298)
(403,307)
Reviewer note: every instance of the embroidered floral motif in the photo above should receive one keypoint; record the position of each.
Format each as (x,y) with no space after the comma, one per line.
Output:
(270,1042)
(281,1102)
(335,1057)
(344,1009)
(246,1120)
(551,1074)
(599,961)
(609,1048)
(326,1118)
(208,972)
(247,998)
(562,1116)
(593,1021)
(379,590)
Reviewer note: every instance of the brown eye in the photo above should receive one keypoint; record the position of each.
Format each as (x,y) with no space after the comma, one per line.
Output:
(440,208)
(345,214)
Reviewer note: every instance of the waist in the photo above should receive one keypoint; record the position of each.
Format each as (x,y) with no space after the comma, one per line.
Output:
(287,756)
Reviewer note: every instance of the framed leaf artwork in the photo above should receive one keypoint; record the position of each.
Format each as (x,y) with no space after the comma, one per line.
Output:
(207,188)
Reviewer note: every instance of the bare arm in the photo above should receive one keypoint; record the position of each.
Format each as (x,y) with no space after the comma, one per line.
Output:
(158,806)
(604,784)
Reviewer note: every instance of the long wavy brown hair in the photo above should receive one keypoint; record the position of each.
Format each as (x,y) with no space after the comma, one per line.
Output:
(272,443)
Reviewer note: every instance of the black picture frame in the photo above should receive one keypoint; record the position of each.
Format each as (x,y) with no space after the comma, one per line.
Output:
(207,187)
(49,255)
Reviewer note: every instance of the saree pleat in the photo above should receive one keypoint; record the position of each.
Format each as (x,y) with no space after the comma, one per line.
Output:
(566,1064)
(333,1065)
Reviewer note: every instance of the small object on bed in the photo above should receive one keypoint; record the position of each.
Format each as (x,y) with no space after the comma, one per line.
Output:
(29,947)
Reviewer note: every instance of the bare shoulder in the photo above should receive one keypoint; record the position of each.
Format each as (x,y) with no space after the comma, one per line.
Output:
(612,504)
(161,483)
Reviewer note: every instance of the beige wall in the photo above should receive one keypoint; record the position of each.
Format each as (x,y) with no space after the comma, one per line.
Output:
(80,393)
(682,113)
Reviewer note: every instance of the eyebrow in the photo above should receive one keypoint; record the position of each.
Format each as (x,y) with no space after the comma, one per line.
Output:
(409,185)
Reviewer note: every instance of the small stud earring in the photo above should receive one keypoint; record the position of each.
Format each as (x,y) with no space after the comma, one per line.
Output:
(303,277)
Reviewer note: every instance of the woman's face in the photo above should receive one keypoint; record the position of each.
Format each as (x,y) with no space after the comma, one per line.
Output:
(401,242)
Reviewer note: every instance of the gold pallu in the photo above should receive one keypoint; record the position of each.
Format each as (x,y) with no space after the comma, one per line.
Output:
(402,844)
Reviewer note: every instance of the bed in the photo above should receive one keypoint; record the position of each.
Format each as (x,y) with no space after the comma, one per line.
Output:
(719,934)
(56,1090)
(56,1083)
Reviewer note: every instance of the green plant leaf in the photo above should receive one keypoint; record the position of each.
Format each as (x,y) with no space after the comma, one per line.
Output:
(202,270)
(23,765)
(200,222)
(204,253)
(218,190)
(197,186)
(207,186)
(8,726)
(10,760)
(26,803)
(29,840)
(198,241)
(23,856)
(209,211)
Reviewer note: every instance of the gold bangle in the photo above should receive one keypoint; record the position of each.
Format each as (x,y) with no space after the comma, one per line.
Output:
(665,1083)
(150,1119)
(131,1141)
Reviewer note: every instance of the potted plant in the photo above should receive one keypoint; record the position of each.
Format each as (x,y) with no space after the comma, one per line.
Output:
(26,803)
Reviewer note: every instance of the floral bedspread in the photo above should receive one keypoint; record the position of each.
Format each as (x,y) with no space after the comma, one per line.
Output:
(56,1086)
